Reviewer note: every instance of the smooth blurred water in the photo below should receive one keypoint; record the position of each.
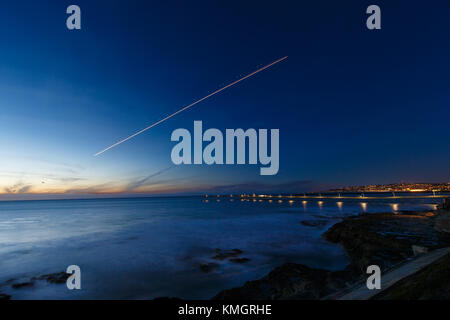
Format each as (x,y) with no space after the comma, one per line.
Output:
(153,247)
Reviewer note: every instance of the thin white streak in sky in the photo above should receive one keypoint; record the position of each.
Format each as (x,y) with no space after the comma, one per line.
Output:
(191,105)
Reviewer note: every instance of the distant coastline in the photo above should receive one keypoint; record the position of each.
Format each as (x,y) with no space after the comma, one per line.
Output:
(441,188)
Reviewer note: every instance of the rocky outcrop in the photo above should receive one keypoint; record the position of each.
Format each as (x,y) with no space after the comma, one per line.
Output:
(290,281)
(385,239)
(209,267)
(22,284)
(58,278)
(382,239)
(55,278)
(314,223)
(225,254)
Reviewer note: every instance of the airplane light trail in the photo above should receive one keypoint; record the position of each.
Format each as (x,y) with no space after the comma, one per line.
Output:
(191,105)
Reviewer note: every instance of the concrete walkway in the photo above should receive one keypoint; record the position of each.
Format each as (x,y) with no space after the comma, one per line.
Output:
(393,276)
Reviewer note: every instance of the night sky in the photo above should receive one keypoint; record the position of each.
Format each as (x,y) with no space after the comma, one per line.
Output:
(354,106)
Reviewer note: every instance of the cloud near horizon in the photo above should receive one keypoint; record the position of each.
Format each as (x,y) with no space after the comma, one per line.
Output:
(146,187)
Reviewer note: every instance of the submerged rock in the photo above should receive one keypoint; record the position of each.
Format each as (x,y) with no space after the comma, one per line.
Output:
(314,223)
(240,260)
(209,267)
(225,254)
(22,285)
(57,278)
(290,281)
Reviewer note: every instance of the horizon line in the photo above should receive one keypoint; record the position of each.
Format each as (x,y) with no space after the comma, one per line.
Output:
(197,194)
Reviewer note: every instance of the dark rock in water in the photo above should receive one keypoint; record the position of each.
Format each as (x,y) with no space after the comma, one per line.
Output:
(225,254)
(314,223)
(57,278)
(4,296)
(22,284)
(384,239)
(208,267)
(239,260)
(290,281)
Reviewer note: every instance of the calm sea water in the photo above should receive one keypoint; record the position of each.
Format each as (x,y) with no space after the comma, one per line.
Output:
(153,247)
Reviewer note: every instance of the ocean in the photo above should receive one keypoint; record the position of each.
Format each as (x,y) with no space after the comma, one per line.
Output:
(144,248)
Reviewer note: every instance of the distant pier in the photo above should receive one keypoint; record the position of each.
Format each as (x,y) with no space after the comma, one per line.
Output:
(335,196)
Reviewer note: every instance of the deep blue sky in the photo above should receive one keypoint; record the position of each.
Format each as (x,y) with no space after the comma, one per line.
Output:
(353,106)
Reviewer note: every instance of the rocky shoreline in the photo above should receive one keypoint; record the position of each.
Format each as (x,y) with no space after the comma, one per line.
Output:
(384,239)
(16,284)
